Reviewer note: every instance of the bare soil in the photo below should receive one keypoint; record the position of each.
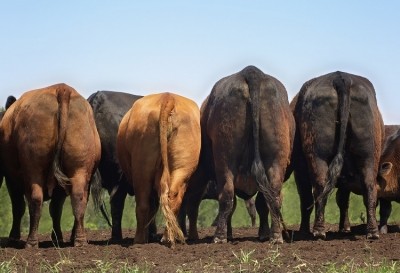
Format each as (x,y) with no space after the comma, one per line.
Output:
(296,255)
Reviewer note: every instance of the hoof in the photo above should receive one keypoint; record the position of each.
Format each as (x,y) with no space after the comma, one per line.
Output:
(319,235)
(80,242)
(263,238)
(277,239)
(16,243)
(345,230)
(263,234)
(57,240)
(217,240)
(32,244)
(193,237)
(155,238)
(372,235)
(383,229)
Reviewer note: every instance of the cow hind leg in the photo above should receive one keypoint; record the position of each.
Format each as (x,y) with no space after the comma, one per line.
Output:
(79,199)
(143,211)
(55,209)
(225,200)
(193,213)
(229,221)
(117,203)
(18,210)
(35,202)
(342,200)
(262,210)
(251,210)
(320,203)
(152,230)
(385,209)
(370,198)
(275,177)
(304,189)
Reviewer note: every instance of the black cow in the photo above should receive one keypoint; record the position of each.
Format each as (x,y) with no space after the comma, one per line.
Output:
(109,108)
(340,134)
(10,100)
(247,137)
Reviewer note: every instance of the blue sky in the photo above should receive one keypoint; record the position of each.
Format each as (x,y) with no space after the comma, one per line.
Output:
(186,46)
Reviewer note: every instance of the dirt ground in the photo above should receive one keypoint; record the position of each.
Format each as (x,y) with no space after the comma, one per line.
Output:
(244,254)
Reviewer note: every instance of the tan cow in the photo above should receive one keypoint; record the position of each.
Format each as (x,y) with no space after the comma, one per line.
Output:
(49,148)
(158,146)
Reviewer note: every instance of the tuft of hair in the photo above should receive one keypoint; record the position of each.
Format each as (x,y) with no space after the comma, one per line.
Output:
(96,190)
(334,171)
(61,177)
(173,231)
(257,169)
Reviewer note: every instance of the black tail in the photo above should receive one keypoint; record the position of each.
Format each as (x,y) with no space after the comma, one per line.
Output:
(96,191)
(342,87)
(253,78)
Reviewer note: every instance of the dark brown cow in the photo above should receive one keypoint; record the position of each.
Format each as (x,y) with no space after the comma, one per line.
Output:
(50,148)
(9,102)
(247,137)
(388,186)
(389,175)
(340,134)
(158,146)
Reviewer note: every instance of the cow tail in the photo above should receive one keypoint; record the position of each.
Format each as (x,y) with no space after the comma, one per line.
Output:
(96,191)
(253,80)
(342,87)
(63,98)
(173,230)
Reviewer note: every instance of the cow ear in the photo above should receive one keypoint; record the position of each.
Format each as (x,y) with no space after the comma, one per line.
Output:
(386,167)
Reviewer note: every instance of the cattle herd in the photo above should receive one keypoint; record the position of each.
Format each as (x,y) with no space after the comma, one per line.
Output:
(245,141)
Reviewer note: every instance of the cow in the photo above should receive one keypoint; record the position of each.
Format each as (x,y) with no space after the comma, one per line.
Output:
(9,102)
(49,148)
(339,135)
(247,137)
(109,107)
(158,147)
(210,192)
(387,182)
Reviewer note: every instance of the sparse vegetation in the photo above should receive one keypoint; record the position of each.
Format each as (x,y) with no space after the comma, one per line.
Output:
(244,261)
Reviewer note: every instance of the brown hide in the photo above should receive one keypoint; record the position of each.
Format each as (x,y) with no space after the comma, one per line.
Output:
(389,173)
(158,147)
(49,133)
